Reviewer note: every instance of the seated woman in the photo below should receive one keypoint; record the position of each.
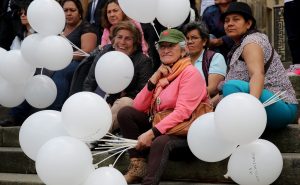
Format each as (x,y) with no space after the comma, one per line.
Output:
(83,35)
(25,29)
(78,32)
(211,65)
(126,38)
(255,67)
(176,85)
(112,14)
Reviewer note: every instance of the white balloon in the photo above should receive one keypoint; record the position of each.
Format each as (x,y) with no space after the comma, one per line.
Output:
(2,53)
(41,91)
(39,128)
(86,116)
(172,13)
(46,17)
(114,72)
(29,47)
(11,95)
(240,118)
(15,69)
(204,141)
(54,52)
(143,11)
(64,160)
(257,163)
(107,176)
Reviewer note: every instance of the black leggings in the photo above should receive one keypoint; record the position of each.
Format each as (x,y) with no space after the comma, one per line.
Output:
(132,124)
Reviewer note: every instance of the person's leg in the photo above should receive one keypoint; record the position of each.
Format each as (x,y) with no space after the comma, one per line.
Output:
(132,124)
(279,114)
(159,155)
(62,80)
(118,104)
(17,115)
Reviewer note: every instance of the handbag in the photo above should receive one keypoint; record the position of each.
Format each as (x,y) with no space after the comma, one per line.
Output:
(182,128)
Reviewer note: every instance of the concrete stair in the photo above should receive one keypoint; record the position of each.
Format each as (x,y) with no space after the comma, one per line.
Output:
(17,168)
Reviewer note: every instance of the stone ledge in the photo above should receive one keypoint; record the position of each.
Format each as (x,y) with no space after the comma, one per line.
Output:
(13,160)
(195,170)
(287,140)
(30,179)
(19,179)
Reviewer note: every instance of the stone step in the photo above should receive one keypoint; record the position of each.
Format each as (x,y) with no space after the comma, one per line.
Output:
(31,179)
(19,179)
(13,160)
(287,140)
(9,136)
(199,171)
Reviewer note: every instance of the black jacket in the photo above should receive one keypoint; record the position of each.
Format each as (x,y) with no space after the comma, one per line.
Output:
(143,69)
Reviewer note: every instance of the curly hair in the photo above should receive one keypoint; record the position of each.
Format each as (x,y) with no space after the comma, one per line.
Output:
(127,25)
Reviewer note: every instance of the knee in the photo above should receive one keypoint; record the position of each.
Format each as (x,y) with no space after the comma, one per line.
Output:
(124,114)
(122,102)
(233,86)
(160,141)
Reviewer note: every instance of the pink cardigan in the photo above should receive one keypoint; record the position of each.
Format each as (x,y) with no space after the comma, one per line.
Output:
(183,95)
(105,37)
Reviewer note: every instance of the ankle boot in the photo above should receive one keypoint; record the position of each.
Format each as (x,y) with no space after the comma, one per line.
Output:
(136,170)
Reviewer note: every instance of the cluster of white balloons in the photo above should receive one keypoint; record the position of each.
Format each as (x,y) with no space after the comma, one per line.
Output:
(233,129)
(44,49)
(56,142)
(170,13)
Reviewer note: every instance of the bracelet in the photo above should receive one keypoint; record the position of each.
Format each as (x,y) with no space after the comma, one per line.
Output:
(151,86)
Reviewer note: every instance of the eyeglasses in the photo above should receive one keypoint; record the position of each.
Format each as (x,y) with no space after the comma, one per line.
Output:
(192,38)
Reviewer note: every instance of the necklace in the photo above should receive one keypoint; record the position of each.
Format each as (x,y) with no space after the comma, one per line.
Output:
(69,29)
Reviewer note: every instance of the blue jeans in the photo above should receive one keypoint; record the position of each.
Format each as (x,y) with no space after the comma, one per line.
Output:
(279,114)
(62,80)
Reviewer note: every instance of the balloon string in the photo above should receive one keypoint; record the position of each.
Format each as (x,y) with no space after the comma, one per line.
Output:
(79,50)
(121,154)
(106,96)
(152,23)
(275,98)
(122,151)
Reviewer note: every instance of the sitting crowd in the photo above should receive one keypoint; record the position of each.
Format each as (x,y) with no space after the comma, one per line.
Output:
(190,75)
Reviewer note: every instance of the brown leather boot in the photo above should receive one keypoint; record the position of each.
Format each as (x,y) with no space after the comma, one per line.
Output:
(136,170)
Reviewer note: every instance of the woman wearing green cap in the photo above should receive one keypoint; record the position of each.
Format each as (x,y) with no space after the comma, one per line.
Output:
(178,86)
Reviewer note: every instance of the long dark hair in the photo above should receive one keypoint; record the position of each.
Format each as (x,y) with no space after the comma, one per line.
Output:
(104,19)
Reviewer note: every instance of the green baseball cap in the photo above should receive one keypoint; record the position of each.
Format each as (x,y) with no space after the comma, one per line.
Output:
(172,36)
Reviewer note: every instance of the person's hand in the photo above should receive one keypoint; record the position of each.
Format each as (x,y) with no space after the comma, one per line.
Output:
(215,42)
(162,71)
(145,140)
